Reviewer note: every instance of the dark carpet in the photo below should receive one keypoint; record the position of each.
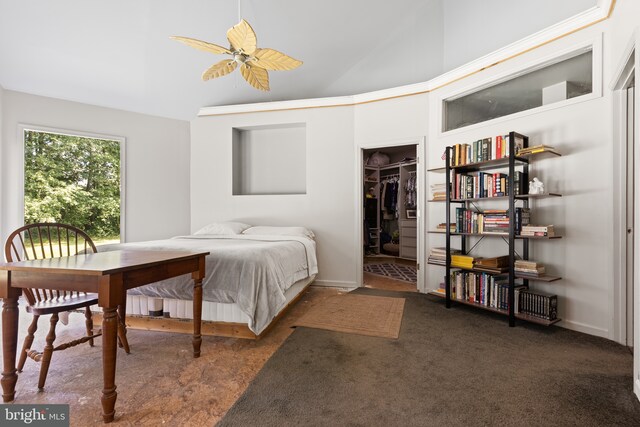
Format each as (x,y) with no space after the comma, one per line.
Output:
(448,367)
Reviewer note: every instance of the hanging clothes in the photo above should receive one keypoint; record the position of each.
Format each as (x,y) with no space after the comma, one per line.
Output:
(390,198)
(411,195)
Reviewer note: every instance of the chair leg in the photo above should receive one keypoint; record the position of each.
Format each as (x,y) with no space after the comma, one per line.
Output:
(89,323)
(48,351)
(122,329)
(28,342)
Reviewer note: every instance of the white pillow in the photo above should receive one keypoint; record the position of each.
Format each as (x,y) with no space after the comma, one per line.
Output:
(280,231)
(224,228)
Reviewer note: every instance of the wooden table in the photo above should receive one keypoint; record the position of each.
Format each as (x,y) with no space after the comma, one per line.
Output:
(109,274)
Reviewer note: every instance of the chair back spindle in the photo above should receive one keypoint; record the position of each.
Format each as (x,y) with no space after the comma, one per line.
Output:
(42,241)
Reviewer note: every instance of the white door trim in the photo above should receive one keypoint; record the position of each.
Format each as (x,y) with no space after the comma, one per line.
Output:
(123,149)
(624,73)
(420,143)
(636,303)
(623,76)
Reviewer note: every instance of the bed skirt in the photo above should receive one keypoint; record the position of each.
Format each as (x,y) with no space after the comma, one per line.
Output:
(218,319)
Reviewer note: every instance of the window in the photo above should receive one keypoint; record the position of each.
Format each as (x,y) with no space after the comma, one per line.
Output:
(270,159)
(567,78)
(74,180)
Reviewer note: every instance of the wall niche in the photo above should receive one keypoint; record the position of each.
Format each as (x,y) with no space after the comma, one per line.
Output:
(270,160)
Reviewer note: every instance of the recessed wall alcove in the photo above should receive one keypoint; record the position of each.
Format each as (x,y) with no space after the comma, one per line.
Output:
(270,159)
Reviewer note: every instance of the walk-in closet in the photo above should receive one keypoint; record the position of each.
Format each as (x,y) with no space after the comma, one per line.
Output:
(390,216)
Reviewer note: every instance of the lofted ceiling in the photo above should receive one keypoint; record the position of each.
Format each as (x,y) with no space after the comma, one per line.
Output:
(118,53)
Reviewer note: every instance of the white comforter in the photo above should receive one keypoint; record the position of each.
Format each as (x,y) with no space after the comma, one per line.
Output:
(251,271)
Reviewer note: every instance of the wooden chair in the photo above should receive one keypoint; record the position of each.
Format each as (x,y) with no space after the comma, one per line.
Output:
(51,240)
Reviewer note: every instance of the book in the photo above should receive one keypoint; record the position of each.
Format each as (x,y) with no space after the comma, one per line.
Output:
(537,304)
(463,261)
(523,216)
(495,265)
(499,261)
(443,227)
(531,268)
(535,149)
(438,191)
(477,287)
(537,231)
(518,143)
(537,234)
(491,270)
(527,263)
(543,228)
(439,255)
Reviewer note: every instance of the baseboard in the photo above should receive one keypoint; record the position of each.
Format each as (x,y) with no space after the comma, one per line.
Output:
(335,284)
(584,328)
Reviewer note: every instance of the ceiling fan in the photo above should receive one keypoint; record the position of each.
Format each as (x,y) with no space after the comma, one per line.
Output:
(253,61)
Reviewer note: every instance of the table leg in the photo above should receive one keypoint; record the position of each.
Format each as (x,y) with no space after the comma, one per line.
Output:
(9,347)
(122,330)
(197,316)
(109,353)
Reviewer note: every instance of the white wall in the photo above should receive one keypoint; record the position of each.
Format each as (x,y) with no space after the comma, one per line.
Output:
(392,120)
(625,30)
(622,24)
(157,161)
(328,206)
(582,132)
(475,28)
(585,174)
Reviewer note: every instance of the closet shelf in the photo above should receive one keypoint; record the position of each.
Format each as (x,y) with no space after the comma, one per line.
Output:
(390,166)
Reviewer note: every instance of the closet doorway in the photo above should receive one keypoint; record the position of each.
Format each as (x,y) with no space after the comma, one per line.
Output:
(625,114)
(390,217)
(630,217)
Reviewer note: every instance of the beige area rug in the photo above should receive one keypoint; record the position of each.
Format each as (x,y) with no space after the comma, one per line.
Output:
(357,314)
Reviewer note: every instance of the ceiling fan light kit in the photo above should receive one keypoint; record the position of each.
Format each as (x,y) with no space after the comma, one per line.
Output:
(253,61)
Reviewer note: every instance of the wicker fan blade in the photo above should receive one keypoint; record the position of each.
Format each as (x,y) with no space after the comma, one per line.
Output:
(271,59)
(242,37)
(200,45)
(219,69)
(256,77)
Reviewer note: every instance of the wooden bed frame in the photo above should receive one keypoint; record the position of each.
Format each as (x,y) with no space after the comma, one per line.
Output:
(216,329)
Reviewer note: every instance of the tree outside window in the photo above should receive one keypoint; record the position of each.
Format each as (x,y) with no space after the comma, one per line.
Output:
(73,180)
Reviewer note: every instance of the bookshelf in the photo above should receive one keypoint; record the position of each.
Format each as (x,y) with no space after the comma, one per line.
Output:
(467,202)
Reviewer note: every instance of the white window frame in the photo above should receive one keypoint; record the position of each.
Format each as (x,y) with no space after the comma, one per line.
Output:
(593,44)
(22,128)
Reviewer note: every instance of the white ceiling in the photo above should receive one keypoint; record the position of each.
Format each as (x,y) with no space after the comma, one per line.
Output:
(118,53)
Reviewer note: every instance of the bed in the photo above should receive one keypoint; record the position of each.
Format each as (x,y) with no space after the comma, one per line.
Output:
(252,275)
